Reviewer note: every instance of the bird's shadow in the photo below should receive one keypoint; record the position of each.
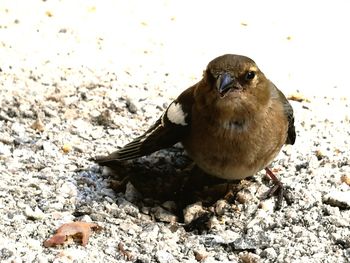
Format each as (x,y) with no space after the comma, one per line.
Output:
(169,175)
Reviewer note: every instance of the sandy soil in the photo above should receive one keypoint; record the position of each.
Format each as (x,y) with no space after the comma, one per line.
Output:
(79,78)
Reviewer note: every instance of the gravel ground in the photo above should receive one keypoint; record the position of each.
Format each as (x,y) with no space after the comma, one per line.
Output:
(65,97)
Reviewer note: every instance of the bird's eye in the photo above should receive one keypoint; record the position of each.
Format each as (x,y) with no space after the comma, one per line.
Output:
(250,75)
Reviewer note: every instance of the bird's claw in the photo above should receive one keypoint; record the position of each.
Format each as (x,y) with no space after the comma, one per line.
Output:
(276,189)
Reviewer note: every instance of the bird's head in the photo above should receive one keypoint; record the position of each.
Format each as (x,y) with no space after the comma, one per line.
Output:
(234,81)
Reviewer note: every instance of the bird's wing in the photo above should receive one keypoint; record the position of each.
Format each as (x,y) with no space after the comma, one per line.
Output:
(169,129)
(288,110)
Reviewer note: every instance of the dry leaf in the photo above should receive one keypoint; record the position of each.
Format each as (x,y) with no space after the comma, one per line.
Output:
(81,230)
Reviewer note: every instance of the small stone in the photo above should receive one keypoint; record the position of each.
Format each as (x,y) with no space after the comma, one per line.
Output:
(68,189)
(86,218)
(269,253)
(150,232)
(5,151)
(192,212)
(58,206)
(170,206)
(249,257)
(5,253)
(48,13)
(331,210)
(79,148)
(38,125)
(338,198)
(291,215)
(18,129)
(339,221)
(163,215)
(66,148)
(106,171)
(347,253)
(70,114)
(131,105)
(131,193)
(146,210)
(128,208)
(297,96)
(200,256)
(214,223)
(314,162)
(104,119)
(244,244)
(37,214)
(109,200)
(49,148)
(345,179)
(164,256)
(71,255)
(108,192)
(220,206)
(244,197)
(62,30)
(5,138)
(267,205)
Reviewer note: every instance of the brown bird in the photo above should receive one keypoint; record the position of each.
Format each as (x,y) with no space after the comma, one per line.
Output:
(232,123)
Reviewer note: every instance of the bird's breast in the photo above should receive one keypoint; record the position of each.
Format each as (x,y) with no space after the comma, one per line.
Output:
(236,149)
(224,156)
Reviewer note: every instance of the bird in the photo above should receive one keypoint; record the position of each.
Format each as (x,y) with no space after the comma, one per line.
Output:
(232,123)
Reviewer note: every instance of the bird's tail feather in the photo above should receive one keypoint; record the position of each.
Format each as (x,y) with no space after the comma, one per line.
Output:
(128,152)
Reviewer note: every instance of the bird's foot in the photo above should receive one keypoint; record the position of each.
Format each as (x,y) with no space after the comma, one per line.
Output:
(276,189)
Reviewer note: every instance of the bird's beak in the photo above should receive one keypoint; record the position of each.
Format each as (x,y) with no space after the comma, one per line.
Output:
(225,83)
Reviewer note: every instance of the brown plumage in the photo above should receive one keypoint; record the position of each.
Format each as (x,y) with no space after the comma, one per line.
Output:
(232,123)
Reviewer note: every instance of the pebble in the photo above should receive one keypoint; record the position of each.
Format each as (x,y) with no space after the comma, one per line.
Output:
(35,214)
(128,207)
(108,192)
(220,206)
(337,198)
(345,179)
(269,253)
(267,205)
(50,149)
(192,212)
(170,206)
(68,190)
(339,221)
(5,253)
(5,138)
(66,148)
(150,232)
(249,258)
(244,197)
(5,151)
(38,125)
(164,256)
(163,215)
(131,194)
